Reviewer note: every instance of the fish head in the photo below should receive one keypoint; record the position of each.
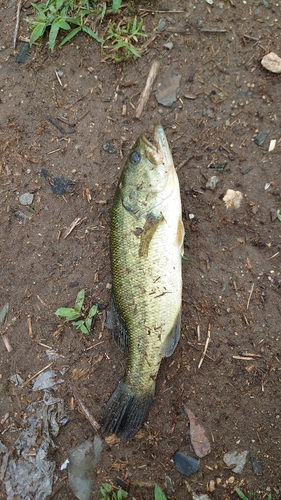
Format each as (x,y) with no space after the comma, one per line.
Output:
(149,176)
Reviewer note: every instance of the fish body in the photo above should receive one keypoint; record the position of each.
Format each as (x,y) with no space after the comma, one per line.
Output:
(146,245)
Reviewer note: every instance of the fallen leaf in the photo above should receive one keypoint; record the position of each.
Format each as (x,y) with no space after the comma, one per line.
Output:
(198,434)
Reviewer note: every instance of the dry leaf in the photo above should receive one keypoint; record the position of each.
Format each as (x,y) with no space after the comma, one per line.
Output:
(198,434)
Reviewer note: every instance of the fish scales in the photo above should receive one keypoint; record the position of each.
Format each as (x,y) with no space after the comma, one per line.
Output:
(146,249)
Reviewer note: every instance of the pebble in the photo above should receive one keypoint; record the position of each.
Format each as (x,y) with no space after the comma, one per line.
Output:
(109,148)
(257,466)
(167,93)
(26,199)
(184,464)
(168,45)
(260,138)
(212,183)
(272,145)
(272,62)
(237,459)
(232,198)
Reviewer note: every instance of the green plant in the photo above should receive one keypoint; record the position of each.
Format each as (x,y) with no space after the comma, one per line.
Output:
(72,314)
(67,15)
(108,493)
(250,495)
(121,39)
(158,493)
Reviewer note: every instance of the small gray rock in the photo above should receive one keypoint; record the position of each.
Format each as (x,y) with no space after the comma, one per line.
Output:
(168,45)
(212,183)
(168,92)
(26,199)
(237,459)
(184,464)
(260,138)
(257,466)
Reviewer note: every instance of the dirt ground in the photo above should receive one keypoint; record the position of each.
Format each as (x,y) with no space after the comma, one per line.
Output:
(231,275)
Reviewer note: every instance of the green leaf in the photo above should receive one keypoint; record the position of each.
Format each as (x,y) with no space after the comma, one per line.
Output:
(59,3)
(84,329)
(115,5)
(91,33)
(240,494)
(63,24)
(88,324)
(53,35)
(37,32)
(93,311)
(158,493)
(80,300)
(278,214)
(67,313)
(70,36)
(107,487)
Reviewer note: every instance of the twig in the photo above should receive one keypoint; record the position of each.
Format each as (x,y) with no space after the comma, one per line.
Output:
(38,373)
(3,315)
(275,255)
(198,333)
(75,223)
(58,78)
(93,422)
(29,324)
(207,30)
(251,38)
(148,86)
(206,346)
(17,23)
(184,162)
(245,358)
(251,291)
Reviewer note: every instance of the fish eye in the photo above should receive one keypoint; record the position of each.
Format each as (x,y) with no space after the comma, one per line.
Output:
(135,157)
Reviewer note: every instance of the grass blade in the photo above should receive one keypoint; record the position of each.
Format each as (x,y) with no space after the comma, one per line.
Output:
(240,494)
(70,35)
(91,33)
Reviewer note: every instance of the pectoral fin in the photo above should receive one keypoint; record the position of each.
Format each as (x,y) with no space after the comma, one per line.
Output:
(180,235)
(172,340)
(149,229)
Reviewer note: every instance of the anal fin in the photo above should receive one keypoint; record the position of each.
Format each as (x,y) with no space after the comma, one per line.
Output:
(172,340)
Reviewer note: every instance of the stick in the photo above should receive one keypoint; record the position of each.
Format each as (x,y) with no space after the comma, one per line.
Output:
(251,291)
(148,87)
(29,324)
(38,373)
(206,346)
(17,23)
(75,223)
(85,410)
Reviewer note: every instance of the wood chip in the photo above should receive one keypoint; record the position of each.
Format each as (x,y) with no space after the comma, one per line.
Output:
(148,87)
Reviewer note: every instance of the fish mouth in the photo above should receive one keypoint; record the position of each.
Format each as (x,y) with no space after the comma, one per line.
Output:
(158,151)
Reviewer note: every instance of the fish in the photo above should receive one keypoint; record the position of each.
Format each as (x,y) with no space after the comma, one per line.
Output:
(146,248)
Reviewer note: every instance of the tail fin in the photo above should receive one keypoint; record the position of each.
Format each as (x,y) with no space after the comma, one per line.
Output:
(125,412)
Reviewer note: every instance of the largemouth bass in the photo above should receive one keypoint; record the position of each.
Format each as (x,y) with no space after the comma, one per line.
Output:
(146,245)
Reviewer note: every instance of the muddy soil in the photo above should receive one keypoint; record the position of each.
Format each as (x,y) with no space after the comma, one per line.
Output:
(231,274)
